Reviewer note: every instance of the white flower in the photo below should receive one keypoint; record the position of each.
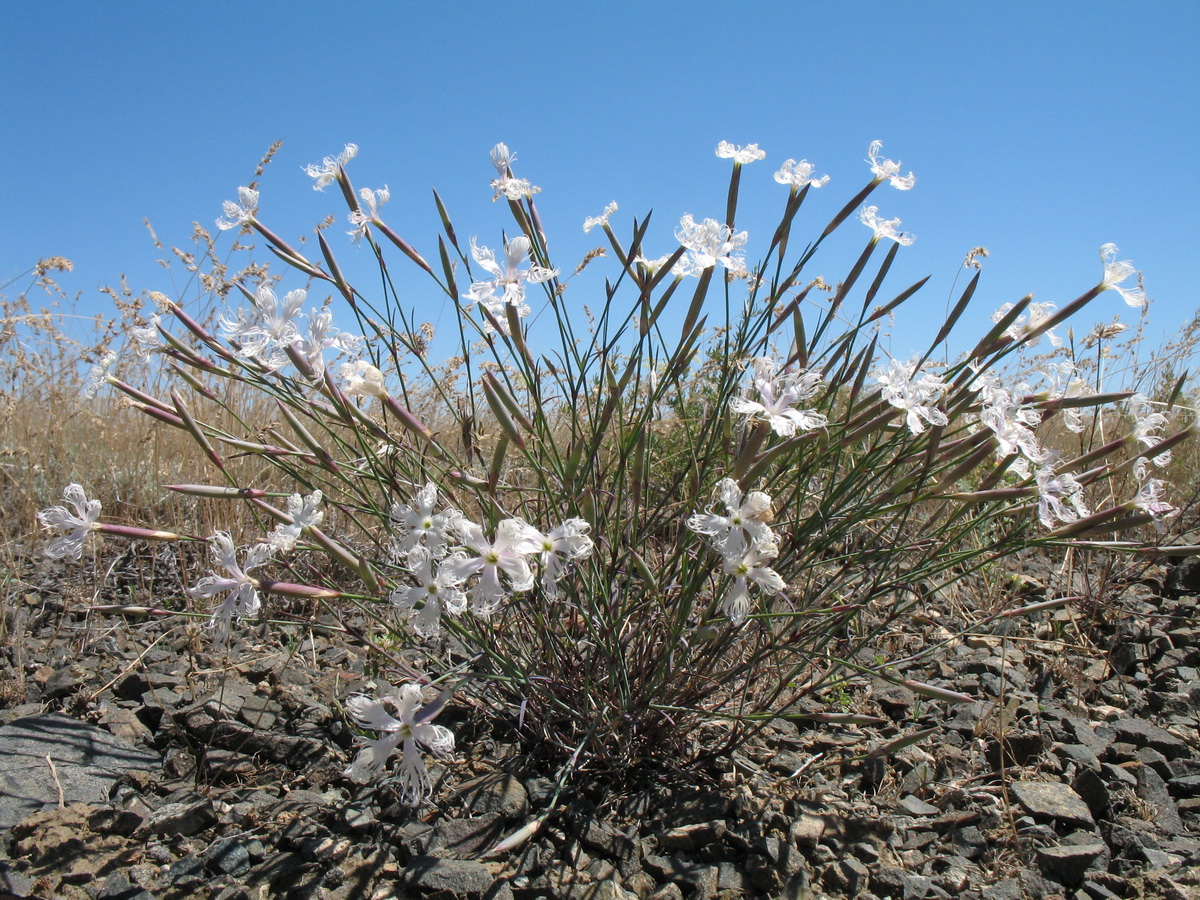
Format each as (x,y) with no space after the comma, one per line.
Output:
(710,243)
(271,332)
(507,284)
(241,591)
(1145,423)
(147,338)
(1116,271)
(916,396)
(371,202)
(77,526)
(419,525)
(505,183)
(777,397)
(745,525)
(410,730)
(434,592)
(326,173)
(884,228)
(305,512)
(740,155)
(1011,427)
(324,335)
(1065,382)
(238,214)
(592,221)
(1148,500)
(507,554)
(652,265)
(100,375)
(558,549)
(886,169)
(361,379)
(1038,314)
(1053,489)
(747,569)
(799,174)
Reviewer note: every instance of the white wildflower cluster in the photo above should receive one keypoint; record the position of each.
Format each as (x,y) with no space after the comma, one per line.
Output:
(884,228)
(409,729)
(1146,422)
(739,530)
(739,154)
(274,325)
(886,170)
(709,243)
(326,173)
(505,184)
(799,174)
(917,395)
(778,394)
(368,211)
(1029,323)
(304,512)
(506,286)
(592,221)
(241,212)
(455,565)
(75,526)
(240,589)
(1013,423)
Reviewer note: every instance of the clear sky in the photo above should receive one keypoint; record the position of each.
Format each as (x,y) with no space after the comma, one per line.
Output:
(1040,130)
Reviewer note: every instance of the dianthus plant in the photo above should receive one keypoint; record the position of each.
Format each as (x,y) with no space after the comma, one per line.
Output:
(706,500)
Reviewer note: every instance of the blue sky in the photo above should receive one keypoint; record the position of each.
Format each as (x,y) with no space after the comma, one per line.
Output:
(1039,130)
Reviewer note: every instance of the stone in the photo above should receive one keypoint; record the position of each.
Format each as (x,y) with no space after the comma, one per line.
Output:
(461,877)
(914,806)
(1141,733)
(1152,789)
(183,817)
(1069,863)
(500,793)
(1052,801)
(87,761)
(466,838)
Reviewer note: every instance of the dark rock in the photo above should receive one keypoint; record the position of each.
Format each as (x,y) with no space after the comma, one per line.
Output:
(1152,789)
(183,818)
(228,856)
(1052,801)
(460,877)
(87,761)
(1145,734)
(499,793)
(1184,576)
(117,886)
(1069,863)
(468,837)
(914,806)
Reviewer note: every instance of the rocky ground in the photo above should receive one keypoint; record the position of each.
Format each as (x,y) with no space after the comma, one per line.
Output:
(137,763)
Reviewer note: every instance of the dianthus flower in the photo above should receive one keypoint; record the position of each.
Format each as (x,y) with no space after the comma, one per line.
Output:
(77,525)
(238,214)
(557,550)
(507,554)
(326,173)
(799,174)
(419,525)
(368,211)
(884,228)
(746,569)
(1145,423)
(777,395)
(507,284)
(1149,500)
(324,335)
(504,184)
(361,379)
(1023,325)
(592,221)
(739,154)
(434,592)
(1053,489)
(272,331)
(305,512)
(709,243)
(745,525)
(241,591)
(916,396)
(887,170)
(411,730)
(1116,271)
